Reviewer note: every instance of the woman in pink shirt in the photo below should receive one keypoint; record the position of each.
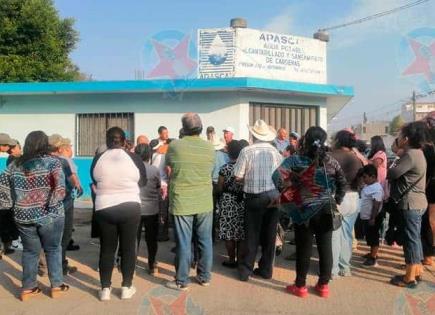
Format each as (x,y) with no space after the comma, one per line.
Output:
(378,158)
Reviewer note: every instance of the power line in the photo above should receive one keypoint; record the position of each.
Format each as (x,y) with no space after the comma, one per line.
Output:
(374,16)
(386,109)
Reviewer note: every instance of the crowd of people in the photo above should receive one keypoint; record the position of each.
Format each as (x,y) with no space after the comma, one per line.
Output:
(243,193)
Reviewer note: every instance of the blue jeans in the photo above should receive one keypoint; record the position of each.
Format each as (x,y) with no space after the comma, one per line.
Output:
(48,234)
(68,205)
(185,226)
(412,247)
(342,244)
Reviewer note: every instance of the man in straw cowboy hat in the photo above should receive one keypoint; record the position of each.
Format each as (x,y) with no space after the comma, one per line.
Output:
(254,167)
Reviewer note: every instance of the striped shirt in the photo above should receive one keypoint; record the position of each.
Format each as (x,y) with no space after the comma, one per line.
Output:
(191,160)
(256,165)
(34,190)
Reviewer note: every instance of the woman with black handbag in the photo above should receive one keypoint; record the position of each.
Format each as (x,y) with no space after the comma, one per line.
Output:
(311,184)
(408,184)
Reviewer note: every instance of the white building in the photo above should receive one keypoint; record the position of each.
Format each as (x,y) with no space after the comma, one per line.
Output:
(290,91)
(421,110)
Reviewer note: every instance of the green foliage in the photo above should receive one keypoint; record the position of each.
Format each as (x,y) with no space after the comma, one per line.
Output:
(396,124)
(35,42)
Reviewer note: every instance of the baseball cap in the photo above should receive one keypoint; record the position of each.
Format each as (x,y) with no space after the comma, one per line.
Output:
(57,141)
(5,139)
(65,142)
(294,134)
(230,129)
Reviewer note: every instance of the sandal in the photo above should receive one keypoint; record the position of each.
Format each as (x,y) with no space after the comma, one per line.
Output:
(58,291)
(26,294)
(399,281)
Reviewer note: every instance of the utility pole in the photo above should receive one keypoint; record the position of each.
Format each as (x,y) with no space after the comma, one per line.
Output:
(414,107)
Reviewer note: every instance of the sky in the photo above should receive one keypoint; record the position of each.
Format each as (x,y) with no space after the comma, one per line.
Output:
(372,57)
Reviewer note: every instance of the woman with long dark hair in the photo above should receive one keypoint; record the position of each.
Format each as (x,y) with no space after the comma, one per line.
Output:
(378,158)
(351,161)
(408,188)
(311,183)
(34,185)
(117,175)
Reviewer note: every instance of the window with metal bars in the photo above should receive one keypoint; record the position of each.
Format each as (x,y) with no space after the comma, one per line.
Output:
(288,116)
(91,130)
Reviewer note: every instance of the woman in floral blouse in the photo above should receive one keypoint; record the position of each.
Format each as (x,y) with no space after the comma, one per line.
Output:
(310,183)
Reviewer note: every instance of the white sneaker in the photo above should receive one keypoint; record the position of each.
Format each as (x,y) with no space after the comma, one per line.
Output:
(202,282)
(127,292)
(105,294)
(17,245)
(176,286)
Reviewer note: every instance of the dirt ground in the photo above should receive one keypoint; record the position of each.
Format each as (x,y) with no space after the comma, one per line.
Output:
(366,292)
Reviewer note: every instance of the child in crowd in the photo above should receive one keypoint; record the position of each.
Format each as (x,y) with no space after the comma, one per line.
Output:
(372,196)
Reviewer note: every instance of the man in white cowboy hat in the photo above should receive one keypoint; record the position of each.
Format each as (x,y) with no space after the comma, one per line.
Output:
(254,167)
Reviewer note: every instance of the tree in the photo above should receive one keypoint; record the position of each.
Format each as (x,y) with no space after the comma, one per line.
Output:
(35,42)
(396,124)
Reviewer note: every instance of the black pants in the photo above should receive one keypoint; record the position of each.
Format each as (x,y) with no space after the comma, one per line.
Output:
(214,230)
(372,232)
(120,221)
(163,222)
(68,205)
(8,228)
(151,223)
(318,227)
(95,230)
(426,235)
(261,223)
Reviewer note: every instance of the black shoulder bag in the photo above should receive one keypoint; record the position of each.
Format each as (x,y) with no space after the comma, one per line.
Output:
(392,203)
(336,216)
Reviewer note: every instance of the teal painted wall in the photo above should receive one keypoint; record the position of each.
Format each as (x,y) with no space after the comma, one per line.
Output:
(83,165)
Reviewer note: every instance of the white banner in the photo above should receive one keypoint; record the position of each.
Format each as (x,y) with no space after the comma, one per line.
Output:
(246,52)
(280,57)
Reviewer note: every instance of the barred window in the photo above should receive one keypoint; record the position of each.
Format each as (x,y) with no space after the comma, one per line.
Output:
(288,116)
(91,130)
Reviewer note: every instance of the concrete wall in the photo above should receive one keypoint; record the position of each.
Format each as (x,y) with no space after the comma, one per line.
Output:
(56,113)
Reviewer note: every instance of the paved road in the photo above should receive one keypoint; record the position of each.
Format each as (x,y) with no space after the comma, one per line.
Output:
(367,292)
